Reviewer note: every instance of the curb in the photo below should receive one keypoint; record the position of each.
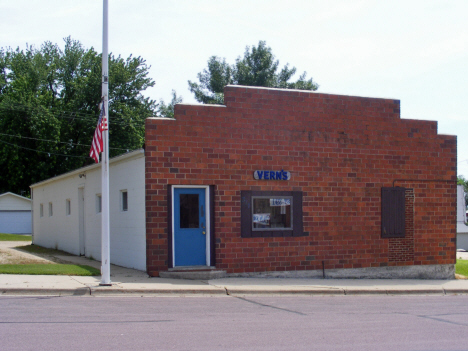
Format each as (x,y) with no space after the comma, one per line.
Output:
(98,292)
(158,292)
(455,291)
(305,292)
(440,291)
(46,291)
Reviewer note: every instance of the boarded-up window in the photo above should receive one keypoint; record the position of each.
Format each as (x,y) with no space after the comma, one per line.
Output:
(393,212)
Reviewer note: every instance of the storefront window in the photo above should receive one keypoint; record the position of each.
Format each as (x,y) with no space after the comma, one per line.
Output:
(271,213)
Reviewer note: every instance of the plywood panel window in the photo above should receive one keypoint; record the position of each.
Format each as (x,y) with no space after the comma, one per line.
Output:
(124,200)
(68,207)
(271,213)
(393,212)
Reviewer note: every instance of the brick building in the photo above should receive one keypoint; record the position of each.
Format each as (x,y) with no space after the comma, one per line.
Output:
(304,183)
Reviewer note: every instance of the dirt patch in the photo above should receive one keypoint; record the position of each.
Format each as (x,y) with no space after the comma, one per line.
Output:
(9,254)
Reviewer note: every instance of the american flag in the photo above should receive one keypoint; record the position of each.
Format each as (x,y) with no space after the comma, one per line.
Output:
(98,145)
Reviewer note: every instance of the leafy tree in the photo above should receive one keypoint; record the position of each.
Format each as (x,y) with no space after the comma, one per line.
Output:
(462,181)
(168,110)
(258,67)
(49,101)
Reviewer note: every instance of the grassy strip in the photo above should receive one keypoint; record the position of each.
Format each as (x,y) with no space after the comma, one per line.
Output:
(49,269)
(462,267)
(14,237)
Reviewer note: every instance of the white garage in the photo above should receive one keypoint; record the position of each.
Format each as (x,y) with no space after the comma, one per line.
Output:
(15,214)
(462,227)
(67,211)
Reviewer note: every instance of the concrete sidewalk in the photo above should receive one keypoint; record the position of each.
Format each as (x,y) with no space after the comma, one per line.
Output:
(137,285)
(129,282)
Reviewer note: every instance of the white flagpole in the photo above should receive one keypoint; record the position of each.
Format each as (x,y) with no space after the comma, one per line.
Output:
(105,237)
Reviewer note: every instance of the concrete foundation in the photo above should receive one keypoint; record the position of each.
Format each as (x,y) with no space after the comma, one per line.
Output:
(190,274)
(400,272)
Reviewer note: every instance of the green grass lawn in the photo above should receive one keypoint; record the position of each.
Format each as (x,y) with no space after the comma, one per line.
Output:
(14,237)
(462,267)
(49,269)
(43,268)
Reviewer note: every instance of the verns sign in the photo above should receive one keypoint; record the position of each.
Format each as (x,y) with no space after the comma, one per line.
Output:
(272,175)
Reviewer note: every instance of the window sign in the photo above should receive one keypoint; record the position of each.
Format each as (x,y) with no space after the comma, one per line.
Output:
(280,202)
(271,213)
(261,218)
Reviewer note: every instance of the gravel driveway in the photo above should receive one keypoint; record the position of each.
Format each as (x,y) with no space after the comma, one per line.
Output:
(10,255)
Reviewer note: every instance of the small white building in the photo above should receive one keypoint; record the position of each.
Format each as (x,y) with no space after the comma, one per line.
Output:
(67,211)
(462,228)
(15,214)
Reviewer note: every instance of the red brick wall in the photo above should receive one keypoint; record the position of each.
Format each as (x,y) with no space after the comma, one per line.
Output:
(402,249)
(340,151)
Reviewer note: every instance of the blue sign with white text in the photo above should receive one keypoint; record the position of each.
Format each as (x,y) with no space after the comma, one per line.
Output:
(272,175)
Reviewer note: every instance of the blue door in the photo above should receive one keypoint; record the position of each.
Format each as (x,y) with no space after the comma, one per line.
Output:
(189,227)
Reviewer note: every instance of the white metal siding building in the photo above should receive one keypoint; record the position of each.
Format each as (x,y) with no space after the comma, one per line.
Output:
(67,211)
(15,214)
(462,228)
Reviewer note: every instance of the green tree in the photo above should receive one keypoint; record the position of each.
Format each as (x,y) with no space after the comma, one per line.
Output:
(462,181)
(168,110)
(258,67)
(49,101)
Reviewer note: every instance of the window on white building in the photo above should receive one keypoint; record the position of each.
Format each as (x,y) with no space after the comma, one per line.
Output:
(124,200)
(50,210)
(98,203)
(68,207)
(41,210)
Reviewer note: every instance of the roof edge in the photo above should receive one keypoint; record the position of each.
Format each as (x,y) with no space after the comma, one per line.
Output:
(16,195)
(132,154)
(307,91)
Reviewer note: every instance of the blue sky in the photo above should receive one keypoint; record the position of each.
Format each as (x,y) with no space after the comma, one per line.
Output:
(414,50)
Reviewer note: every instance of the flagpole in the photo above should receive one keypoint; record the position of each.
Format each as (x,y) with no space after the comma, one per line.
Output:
(105,237)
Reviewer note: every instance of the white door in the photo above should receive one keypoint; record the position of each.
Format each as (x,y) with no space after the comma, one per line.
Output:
(81,220)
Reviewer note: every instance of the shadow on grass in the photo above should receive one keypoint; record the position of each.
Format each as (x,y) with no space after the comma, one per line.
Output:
(39,250)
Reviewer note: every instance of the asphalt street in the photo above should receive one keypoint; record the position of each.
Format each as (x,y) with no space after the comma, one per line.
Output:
(374,323)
